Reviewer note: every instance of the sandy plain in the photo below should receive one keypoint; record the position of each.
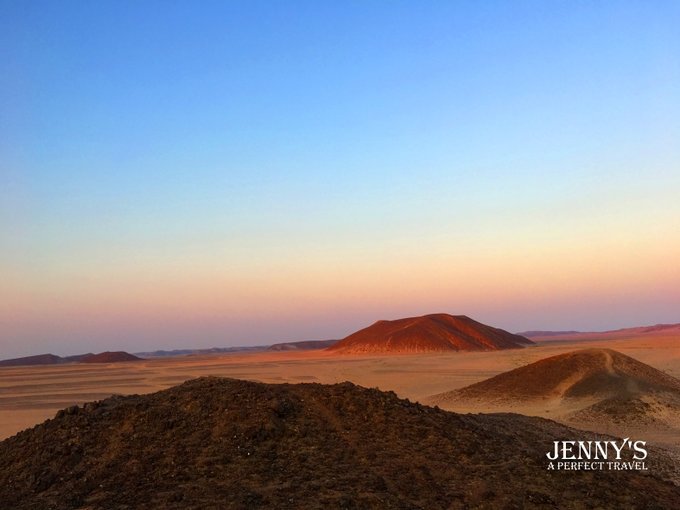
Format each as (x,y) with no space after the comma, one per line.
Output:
(29,395)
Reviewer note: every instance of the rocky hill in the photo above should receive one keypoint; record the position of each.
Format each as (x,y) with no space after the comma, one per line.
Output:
(429,333)
(224,443)
(109,357)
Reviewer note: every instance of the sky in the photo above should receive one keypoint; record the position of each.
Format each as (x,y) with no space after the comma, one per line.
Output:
(194,174)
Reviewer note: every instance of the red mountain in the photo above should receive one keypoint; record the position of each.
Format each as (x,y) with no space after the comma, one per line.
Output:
(430,333)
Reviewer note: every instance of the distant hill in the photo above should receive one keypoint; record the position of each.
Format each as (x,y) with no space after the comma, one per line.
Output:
(109,357)
(224,443)
(302,346)
(40,359)
(429,333)
(52,359)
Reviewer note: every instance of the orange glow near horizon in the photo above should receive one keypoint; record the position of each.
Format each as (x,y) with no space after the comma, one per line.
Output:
(510,283)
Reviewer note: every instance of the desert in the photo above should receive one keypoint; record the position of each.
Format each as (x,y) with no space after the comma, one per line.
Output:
(352,255)
(31,394)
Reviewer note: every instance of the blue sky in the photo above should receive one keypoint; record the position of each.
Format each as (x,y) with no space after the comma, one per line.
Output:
(278,154)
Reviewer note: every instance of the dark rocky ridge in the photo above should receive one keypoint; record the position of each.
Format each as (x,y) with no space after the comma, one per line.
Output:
(109,357)
(38,359)
(53,359)
(223,443)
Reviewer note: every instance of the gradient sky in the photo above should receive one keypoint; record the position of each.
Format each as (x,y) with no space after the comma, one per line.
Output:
(190,174)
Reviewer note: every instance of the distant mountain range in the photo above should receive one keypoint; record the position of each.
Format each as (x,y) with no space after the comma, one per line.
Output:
(530,334)
(187,352)
(568,335)
(307,345)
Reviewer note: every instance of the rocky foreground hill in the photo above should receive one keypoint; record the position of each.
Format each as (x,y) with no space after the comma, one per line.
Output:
(224,443)
(438,332)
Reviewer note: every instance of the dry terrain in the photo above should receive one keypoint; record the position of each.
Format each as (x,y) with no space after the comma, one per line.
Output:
(29,395)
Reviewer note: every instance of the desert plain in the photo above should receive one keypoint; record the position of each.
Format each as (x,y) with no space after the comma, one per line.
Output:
(32,394)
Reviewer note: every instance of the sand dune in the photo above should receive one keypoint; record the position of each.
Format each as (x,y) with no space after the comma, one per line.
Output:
(601,389)
(587,373)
